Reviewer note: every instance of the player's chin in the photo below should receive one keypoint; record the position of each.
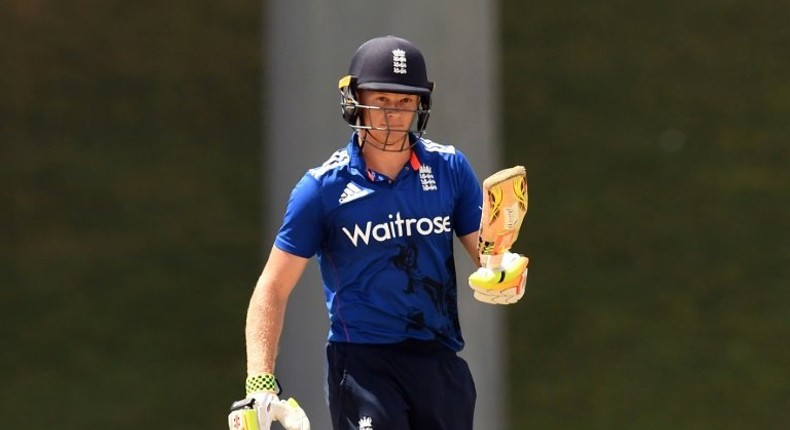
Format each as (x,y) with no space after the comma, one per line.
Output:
(398,136)
(391,140)
(398,142)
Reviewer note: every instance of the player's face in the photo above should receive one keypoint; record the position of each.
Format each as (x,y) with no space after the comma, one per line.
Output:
(392,116)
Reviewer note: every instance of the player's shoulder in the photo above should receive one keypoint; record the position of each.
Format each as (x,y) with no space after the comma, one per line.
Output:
(329,168)
(434,152)
(437,148)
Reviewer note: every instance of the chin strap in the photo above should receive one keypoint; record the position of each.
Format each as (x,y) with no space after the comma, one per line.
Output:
(405,145)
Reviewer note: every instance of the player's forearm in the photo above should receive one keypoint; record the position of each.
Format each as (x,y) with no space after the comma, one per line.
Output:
(469,243)
(265,317)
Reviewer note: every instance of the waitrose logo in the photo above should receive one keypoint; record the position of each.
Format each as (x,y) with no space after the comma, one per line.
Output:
(397,227)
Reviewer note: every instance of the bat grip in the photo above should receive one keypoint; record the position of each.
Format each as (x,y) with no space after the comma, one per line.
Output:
(492,262)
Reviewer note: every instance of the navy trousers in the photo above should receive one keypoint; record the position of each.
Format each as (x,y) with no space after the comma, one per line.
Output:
(414,385)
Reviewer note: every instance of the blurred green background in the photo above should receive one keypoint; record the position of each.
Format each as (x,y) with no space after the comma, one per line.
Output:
(655,135)
(131,187)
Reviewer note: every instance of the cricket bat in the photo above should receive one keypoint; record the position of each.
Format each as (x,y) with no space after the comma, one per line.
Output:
(505,202)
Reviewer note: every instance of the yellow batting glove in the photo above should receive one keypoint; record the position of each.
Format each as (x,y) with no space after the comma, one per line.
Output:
(263,406)
(252,413)
(502,286)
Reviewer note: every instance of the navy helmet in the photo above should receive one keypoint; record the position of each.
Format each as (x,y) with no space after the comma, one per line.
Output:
(389,64)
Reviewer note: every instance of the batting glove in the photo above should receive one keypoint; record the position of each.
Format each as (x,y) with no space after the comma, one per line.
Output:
(289,414)
(501,286)
(262,406)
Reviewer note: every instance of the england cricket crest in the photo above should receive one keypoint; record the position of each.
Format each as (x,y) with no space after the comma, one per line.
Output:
(399,61)
(505,202)
(366,423)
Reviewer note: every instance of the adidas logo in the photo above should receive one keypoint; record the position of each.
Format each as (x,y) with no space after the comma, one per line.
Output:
(353,192)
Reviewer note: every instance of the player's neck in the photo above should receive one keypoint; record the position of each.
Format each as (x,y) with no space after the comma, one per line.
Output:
(388,163)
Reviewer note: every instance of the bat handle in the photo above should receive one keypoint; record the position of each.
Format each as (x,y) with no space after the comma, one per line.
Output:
(492,262)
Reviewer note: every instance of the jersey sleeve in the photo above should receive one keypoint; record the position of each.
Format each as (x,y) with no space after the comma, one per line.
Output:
(301,232)
(469,198)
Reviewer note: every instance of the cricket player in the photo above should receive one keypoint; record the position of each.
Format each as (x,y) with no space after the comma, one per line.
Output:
(380,215)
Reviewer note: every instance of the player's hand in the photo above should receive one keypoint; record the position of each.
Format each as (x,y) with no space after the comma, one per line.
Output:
(263,401)
(262,406)
(289,414)
(252,412)
(501,286)
(259,410)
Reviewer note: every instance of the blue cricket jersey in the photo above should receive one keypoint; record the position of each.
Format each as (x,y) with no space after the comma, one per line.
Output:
(385,247)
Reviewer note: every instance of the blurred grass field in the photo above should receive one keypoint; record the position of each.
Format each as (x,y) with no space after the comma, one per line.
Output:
(656,138)
(655,135)
(129,141)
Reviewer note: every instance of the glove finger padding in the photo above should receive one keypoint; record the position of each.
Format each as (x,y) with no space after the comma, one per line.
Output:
(503,286)
(289,414)
(503,297)
(506,297)
(263,402)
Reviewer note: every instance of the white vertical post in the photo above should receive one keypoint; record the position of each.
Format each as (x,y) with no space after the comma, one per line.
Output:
(308,46)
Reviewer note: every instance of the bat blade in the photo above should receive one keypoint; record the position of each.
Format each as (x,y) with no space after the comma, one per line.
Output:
(505,202)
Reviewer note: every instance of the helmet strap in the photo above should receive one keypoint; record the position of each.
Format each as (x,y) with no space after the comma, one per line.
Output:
(385,145)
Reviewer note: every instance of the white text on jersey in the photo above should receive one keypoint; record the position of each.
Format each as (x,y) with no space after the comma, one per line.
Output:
(398,227)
